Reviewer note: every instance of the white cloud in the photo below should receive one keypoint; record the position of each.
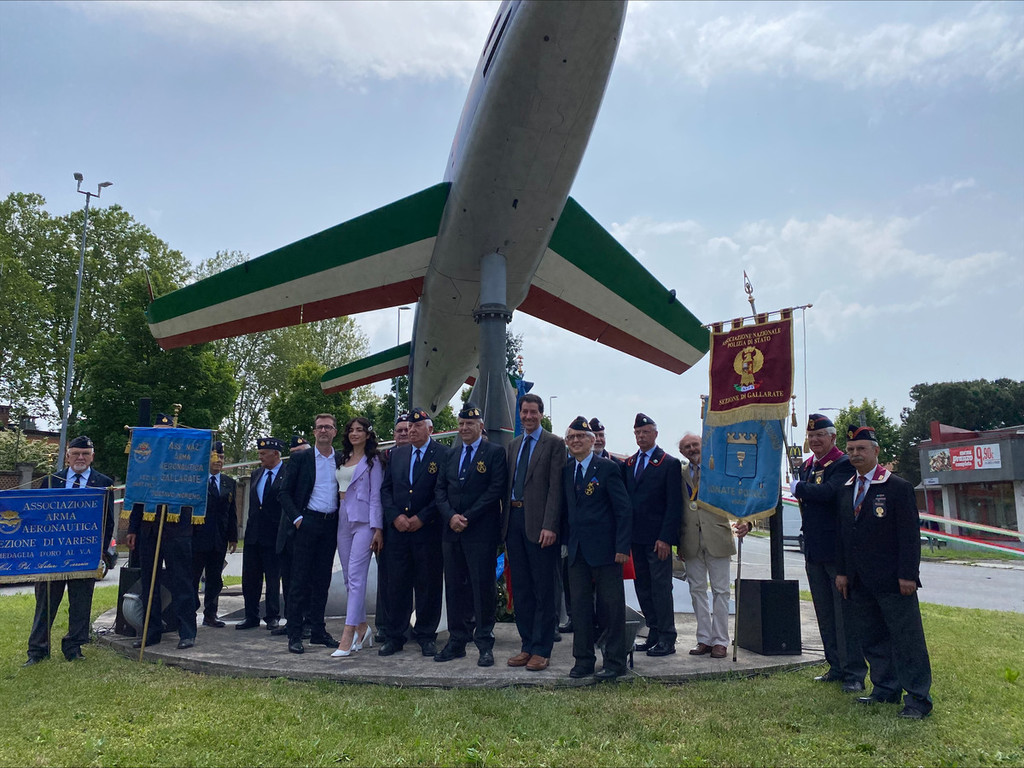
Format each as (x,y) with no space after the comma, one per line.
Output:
(986,42)
(946,187)
(351,41)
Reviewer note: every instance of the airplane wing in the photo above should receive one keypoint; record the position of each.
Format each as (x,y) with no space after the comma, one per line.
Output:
(374,261)
(589,284)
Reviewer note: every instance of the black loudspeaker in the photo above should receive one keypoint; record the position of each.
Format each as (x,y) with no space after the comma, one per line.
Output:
(768,617)
(129,577)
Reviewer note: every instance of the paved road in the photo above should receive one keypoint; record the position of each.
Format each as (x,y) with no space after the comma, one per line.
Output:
(996,586)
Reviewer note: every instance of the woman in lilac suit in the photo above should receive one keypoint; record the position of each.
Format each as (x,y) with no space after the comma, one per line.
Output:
(359,526)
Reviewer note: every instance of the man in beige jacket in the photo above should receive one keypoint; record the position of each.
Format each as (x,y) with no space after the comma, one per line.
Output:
(706,546)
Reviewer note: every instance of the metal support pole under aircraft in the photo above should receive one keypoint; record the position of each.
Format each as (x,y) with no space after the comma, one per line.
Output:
(492,389)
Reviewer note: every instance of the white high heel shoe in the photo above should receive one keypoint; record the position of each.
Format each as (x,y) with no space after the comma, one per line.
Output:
(338,654)
(367,640)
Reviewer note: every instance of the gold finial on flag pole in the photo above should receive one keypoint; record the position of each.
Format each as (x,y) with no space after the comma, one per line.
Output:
(749,288)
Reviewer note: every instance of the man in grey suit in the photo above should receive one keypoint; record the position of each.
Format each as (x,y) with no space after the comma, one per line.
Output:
(530,522)
(706,546)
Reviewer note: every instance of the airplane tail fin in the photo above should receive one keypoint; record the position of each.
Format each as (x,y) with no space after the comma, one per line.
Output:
(386,364)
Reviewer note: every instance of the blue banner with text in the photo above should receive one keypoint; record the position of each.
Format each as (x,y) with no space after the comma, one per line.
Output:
(168,466)
(51,533)
(741,469)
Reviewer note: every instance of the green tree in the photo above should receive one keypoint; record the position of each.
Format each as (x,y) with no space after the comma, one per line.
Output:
(292,409)
(874,416)
(15,448)
(125,363)
(262,361)
(975,405)
(39,256)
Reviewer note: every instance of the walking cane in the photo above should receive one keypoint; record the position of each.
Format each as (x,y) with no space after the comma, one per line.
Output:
(152,579)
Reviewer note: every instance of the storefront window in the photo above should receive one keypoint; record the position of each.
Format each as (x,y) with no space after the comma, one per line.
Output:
(988,504)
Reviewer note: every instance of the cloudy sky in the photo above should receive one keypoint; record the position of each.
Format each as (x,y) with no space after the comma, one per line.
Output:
(864,158)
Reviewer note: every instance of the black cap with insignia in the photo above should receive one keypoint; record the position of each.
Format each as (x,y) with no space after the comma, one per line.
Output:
(818,421)
(862,433)
(82,441)
(471,411)
(271,443)
(580,424)
(642,420)
(417,415)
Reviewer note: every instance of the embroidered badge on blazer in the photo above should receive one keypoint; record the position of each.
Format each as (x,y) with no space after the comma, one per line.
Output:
(432,468)
(481,467)
(591,486)
(880,506)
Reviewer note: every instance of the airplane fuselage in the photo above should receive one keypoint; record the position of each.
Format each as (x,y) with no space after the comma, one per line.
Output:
(526,123)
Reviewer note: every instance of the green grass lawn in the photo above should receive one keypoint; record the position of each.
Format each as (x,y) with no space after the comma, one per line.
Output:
(113,711)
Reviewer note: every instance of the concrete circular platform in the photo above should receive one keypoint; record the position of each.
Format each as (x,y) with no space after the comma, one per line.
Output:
(255,653)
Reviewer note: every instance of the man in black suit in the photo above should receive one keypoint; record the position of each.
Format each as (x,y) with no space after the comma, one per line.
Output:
(176,557)
(469,493)
(212,540)
(817,488)
(413,543)
(78,474)
(598,521)
(654,482)
(309,524)
(380,616)
(260,559)
(877,567)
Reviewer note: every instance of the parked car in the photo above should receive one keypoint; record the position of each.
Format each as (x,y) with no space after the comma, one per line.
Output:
(792,523)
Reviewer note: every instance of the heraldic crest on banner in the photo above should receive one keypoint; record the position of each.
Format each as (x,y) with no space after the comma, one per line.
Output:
(751,380)
(170,467)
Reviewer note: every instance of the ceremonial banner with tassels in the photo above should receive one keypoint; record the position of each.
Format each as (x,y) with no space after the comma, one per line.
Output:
(51,533)
(168,466)
(741,469)
(751,370)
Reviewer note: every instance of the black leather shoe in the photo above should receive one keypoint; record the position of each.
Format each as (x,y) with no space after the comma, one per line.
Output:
(558,636)
(854,687)
(33,660)
(186,642)
(429,648)
(566,629)
(278,631)
(644,645)
(486,659)
(248,624)
(213,623)
(324,639)
(873,699)
(661,649)
(580,670)
(138,643)
(829,677)
(295,646)
(448,653)
(609,674)
(389,649)
(909,713)
(273,624)
(75,656)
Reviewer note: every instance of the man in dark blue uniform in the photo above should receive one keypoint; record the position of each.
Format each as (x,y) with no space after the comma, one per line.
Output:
(877,567)
(413,545)
(261,561)
(817,488)
(469,493)
(654,482)
(176,556)
(598,522)
(78,474)
(212,540)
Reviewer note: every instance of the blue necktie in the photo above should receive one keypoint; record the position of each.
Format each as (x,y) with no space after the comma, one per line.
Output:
(78,481)
(579,478)
(862,491)
(464,470)
(266,487)
(521,467)
(640,462)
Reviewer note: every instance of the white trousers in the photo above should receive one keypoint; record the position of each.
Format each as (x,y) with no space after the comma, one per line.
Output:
(713,615)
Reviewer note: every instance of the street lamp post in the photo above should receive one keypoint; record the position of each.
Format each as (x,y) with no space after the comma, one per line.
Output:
(398,340)
(61,449)
(551,412)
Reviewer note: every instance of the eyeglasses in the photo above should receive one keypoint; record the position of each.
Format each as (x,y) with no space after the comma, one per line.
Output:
(324,428)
